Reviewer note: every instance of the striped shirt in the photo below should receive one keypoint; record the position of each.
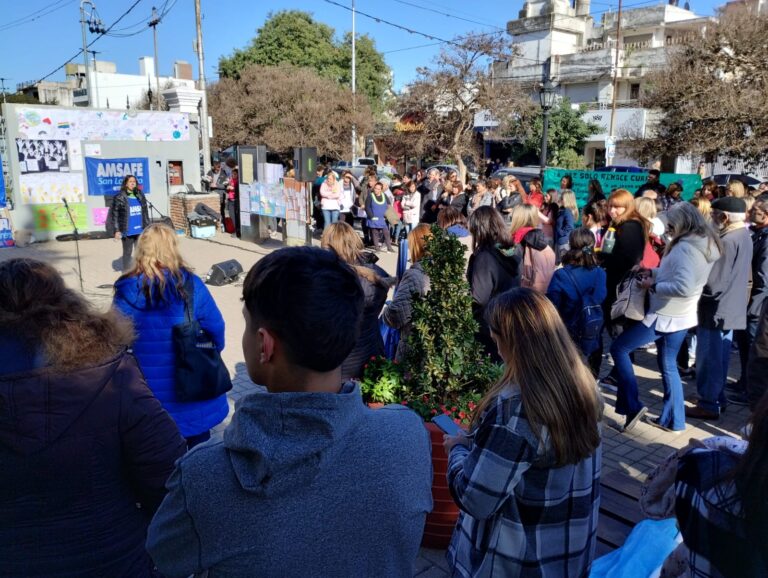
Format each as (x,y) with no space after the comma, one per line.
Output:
(519,515)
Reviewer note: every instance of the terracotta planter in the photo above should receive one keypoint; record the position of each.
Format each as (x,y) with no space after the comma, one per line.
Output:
(375,405)
(442,520)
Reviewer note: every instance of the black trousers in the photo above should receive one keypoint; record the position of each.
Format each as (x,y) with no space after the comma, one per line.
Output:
(128,243)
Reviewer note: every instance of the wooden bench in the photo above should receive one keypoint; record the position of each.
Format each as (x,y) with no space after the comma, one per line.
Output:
(619,510)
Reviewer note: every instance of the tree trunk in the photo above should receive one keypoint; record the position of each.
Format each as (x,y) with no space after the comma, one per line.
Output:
(462,169)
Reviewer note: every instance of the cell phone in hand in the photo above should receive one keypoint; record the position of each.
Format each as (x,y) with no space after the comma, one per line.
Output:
(446,424)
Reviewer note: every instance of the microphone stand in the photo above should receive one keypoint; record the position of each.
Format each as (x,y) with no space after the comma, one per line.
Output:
(77,245)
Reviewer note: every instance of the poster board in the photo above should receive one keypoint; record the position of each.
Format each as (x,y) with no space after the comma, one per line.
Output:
(51,187)
(54,217)
(610,181)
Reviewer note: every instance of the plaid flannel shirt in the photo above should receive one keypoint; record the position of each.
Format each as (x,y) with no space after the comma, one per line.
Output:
(520,516)
(711,518)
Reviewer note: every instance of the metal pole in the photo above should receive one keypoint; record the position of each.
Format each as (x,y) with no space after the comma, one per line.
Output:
(204,99)
(95,79)
(354,88)
(85,49)
(545,128)
(615,73)
(153,23)
(2,83)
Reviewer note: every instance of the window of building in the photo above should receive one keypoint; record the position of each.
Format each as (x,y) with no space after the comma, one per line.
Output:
(634,91)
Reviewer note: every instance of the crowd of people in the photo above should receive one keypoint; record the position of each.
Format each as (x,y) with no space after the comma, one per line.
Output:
(109,471)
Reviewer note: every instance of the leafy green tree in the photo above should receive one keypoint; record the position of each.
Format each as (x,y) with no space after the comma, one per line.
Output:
(293,37)
(566,134)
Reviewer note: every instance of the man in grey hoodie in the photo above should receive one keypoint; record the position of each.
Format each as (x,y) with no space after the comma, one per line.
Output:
(722,307)
(307,480)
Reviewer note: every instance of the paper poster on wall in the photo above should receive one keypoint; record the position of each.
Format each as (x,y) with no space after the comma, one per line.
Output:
(42,156)
(75,155)
(99,216)
(105,176)
(245,198)
(51,187)
(101,125)
(268,199)
(93,150)
(6,234)
(54,217)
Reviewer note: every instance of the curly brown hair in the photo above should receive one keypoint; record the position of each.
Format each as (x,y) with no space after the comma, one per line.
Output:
(57,321)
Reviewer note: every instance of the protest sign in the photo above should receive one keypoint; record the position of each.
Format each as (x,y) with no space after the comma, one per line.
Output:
(106,175)
(611,181)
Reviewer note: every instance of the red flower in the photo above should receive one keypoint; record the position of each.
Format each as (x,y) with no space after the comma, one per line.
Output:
(403,403)
(446,412)
(425,398)
(365,366)
(434,412)
(457,420)
(454,408)
(373,358)
(462,415)
(471,405)
(442,407)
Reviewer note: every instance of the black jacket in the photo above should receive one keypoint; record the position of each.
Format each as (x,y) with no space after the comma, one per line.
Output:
(627,252)
(491,271)
(117,218)
(79,450)
(759,272)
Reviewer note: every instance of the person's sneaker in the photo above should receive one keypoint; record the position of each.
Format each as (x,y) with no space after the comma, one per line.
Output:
(652,349)
(734,386)
(738,398)
(392,250)
(654,421)
(632,419)
(688,373)
(701,413)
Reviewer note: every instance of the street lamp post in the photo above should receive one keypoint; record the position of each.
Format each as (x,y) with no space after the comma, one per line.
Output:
(547,100)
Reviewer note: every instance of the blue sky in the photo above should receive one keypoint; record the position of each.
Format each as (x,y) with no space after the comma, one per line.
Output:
(36,36)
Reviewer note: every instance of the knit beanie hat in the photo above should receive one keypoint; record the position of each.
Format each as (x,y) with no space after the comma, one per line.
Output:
(730,205)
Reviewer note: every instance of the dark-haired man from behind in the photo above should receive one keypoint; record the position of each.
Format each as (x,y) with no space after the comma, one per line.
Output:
(307,481)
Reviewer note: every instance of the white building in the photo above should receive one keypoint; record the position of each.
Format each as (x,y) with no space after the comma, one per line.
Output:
(578,52)
(110,88)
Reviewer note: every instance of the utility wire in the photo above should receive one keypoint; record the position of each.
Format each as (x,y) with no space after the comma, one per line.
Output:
(79,52)
(29,18)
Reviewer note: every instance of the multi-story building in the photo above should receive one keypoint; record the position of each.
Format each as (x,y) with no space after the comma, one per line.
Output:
(110,88)
(568,44)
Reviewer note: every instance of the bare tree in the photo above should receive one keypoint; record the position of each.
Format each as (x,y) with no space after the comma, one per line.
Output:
(446,97)
(284,107)
(712,94)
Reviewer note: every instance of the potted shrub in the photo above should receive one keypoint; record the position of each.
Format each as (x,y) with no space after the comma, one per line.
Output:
(445,369)
(382,382)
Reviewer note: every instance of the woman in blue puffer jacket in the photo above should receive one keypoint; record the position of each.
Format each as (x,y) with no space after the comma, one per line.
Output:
(149,294)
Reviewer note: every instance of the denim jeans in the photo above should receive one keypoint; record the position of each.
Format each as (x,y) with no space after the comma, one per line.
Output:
(667,344)
(713,354)
(329,217)
(400,226)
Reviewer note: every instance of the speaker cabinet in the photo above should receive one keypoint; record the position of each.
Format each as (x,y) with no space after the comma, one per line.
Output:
(224,273)
(305,163)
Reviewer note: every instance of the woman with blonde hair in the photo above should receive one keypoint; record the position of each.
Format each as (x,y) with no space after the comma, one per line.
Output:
(153,294)
(567,215)
(346,243)
(736,189)
(647,208)
(414,282)
(533,250)
(526,478)
(82,439)
(704,206)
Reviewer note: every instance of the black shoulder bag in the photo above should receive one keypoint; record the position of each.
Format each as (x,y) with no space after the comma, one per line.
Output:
(200,371)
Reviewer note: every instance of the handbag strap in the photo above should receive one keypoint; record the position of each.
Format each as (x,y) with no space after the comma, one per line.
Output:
(189,298)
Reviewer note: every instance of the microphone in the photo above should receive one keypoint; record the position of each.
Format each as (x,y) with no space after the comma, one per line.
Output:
(65,203)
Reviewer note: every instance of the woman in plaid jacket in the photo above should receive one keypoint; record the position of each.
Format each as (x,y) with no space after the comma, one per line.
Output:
(527,476)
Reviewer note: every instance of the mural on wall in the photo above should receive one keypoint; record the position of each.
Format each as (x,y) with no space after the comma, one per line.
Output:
(101,125)
(54,217)
(42,156)
(51,187)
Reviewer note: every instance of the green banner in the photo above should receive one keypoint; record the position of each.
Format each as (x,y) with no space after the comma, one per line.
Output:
(612,181)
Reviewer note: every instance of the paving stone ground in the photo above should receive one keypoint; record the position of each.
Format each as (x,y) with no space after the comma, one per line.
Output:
(635,453)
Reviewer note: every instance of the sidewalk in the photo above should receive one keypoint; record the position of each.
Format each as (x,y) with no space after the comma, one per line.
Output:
(634,453)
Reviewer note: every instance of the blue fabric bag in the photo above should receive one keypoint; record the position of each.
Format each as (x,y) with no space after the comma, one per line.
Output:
(390,335)
(645,550)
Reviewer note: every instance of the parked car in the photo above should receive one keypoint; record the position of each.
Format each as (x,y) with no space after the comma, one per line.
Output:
(524,174)
(621,169)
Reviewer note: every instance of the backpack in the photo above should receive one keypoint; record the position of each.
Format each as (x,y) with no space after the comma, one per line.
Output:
(588,325)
